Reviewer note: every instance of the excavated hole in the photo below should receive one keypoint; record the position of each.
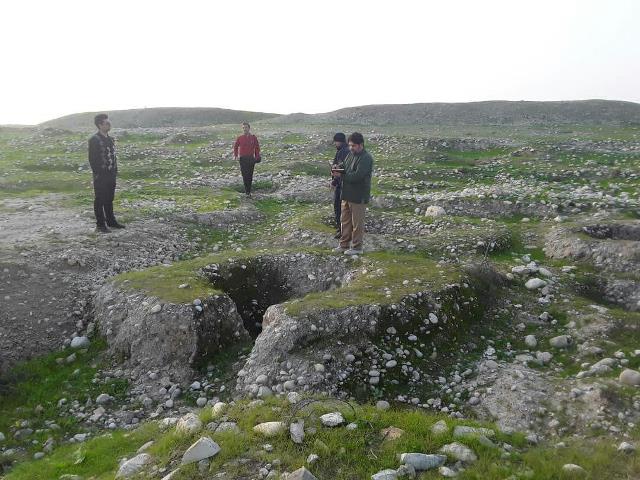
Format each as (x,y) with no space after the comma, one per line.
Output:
(613,232)
(254,284)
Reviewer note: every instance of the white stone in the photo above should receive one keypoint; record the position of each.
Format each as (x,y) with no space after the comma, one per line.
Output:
(422,461)
(626,447)
(439,427)
(332,419)
(203,448)
(435,211)
(630,377)
(464,431)
(535,283)
(270,429)
(530,341)
(301,474)
(218,408)
(80,342)
(459,452)
(189,424)
(133,466)
(561,341)
(387,474)
(156,308)
(573,469)
(382,405)
(103,398)
(296,430)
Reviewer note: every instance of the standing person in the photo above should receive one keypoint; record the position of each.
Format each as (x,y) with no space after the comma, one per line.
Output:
(340,141)
(104,164)
(356,191)
(248,149)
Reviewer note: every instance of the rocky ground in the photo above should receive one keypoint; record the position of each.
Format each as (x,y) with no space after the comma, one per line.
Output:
(499,284)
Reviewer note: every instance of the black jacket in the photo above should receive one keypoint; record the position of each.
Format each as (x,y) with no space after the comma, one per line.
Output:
(341,154)
(102,156)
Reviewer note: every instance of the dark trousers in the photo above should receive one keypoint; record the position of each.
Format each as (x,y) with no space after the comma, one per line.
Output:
(337,205)
(247,164)
(104,190)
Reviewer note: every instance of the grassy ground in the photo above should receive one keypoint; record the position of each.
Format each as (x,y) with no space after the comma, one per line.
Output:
(344,454)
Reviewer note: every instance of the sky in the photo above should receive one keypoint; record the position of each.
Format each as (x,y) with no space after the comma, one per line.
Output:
(64,57)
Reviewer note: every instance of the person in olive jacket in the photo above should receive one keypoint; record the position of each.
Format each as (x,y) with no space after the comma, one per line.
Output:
(356,191)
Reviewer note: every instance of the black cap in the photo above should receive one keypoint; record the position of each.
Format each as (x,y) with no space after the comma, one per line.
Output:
(339,137)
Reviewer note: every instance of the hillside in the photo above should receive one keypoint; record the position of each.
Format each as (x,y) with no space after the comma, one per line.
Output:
(159,117)
(589,112)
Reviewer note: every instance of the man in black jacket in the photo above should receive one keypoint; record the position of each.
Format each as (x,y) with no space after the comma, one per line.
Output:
(104,164)
(340,141)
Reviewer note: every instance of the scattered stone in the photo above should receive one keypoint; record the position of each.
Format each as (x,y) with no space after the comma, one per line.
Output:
(301,474)
(447,472)
(203,448)
(422,461)
(387,474)
(530,341)
(435,211)
(382,405)
(296,430)
(466,431)
(391,433)
(333,419)
(406,471)
(573,469)
(535,283)
(460,452)
(156,308)
(103,399)
(80,342)
(133,466)
(189,424)
(270,429)
(439,427)
(218,408)
(630,377)
(626,447)
(561,341)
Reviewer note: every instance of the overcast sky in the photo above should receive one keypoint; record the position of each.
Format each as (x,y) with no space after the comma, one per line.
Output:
(309,56)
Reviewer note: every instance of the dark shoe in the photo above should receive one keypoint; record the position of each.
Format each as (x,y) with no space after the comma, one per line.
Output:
(115,225)
(102,229)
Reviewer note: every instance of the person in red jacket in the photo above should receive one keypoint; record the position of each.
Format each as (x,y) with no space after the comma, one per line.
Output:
(248,150)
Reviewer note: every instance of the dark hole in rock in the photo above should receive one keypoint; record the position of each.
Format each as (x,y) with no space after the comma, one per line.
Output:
(254,284)
(613,232)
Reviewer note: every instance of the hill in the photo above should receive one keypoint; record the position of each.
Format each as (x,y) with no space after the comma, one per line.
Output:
(591,112)
(159,117)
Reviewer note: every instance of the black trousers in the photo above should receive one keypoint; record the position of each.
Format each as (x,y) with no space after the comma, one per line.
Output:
(337,204)
(247,164)
(104,190)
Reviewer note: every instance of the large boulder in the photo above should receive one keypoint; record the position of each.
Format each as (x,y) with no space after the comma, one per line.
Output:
(176,336)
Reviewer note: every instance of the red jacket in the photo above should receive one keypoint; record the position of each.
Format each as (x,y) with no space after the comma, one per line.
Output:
(248,146)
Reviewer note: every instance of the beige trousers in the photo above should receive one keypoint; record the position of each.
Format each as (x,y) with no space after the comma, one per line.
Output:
(352,224)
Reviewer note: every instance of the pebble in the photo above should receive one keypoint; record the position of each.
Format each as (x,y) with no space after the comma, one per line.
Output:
(387,474)
(80,342)
(530,341)
(333,419)
(460,452)
(630,377)
(422,461)
(535,283)
(626,447)
(270,429)
(156,308)
(573,469)
(382,405)
(561,341)
(200,450)
(133,466)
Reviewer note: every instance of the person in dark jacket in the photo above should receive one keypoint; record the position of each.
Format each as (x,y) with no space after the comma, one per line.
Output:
(104,164)
(342,150)
(356,191)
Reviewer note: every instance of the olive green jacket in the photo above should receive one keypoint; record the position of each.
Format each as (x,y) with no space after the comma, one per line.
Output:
(356,179)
